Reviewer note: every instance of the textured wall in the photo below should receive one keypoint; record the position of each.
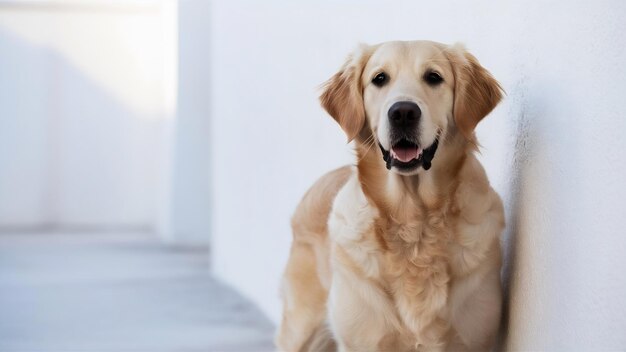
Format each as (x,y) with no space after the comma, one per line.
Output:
(552,149)
(565,200)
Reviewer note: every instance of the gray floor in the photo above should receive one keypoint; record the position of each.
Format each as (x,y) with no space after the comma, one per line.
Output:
(118,292)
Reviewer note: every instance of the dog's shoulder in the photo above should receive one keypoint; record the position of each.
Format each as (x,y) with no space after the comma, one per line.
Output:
(352,214)
(479,221)
(311,215)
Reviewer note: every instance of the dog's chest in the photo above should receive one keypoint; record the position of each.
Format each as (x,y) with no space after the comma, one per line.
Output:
(416,275)
(407,260)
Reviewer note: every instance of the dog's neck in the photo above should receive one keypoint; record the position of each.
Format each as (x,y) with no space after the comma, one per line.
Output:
(396,195)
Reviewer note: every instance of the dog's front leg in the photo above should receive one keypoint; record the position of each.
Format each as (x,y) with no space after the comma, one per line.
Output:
(359,313)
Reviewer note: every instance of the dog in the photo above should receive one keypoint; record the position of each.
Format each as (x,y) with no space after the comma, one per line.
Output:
(400,252)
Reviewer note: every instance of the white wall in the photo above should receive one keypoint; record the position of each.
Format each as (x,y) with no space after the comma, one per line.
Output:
(87,94)
(553,148)
(189,217)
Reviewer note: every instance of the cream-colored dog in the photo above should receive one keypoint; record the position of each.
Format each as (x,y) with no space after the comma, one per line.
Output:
(401,252)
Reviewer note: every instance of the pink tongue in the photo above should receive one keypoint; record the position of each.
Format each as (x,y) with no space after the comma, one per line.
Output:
(407,154)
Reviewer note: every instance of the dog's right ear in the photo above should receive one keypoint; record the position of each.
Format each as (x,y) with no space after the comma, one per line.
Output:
(342,95)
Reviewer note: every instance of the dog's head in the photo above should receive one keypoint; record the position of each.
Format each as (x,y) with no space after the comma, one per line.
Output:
(407,96)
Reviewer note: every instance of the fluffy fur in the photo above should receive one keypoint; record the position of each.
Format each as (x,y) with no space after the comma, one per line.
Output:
(394,261)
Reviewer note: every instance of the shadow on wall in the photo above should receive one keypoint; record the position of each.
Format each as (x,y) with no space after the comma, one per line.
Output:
(536,189)
(522,153)
(70,153)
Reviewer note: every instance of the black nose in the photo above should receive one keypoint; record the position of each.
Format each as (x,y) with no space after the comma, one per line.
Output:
(404,114)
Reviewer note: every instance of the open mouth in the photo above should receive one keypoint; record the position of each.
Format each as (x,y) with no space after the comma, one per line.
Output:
(407,155)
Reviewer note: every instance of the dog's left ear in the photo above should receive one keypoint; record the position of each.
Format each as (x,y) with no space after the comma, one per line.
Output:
(342,95)
(476,92)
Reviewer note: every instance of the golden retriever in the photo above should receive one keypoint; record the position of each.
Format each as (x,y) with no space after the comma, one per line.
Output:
(402,251)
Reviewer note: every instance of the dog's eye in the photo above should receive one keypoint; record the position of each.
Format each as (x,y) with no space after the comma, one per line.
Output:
(433,78)
(380,79)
